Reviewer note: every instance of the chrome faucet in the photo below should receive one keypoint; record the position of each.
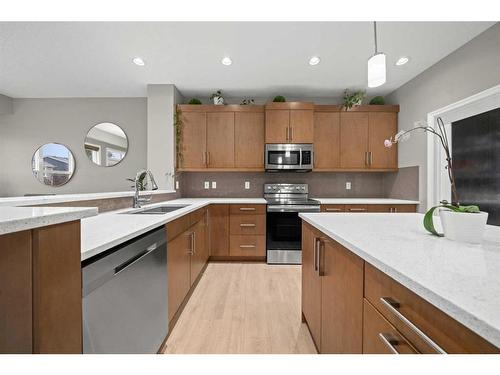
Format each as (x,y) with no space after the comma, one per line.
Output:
(138,200)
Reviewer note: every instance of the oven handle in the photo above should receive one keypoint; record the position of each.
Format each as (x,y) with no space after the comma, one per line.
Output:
(293,208)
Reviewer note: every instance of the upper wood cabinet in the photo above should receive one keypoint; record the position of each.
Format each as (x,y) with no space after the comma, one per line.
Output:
(354,140)
(326,140)
(382,126)
(291,122)
(223,138)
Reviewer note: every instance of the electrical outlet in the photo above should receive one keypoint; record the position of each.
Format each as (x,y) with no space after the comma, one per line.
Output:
(207,185)
(214,184)
(247,185)
(348,185)
(176,185)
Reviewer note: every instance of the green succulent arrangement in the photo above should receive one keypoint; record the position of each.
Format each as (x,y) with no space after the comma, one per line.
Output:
(279,99)
(353,99)
(195,101)
(377,100)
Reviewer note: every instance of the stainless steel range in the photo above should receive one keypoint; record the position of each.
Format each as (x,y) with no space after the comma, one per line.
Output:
(284,227)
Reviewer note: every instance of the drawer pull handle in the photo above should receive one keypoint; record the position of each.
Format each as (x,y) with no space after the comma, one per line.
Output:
(247,246)
(393,307)
(389,342)
(333,209)
(247,208)
(357,209)
(247,225)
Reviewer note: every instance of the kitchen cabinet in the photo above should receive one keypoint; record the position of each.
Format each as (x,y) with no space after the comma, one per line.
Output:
(220,140)
(291,122)
(354,140)
(326,140)
(341,273)
(311,283)
(382,126)
(218,216)
(392,208)
(247,231)
(249,135)
(199,246)
(333,208)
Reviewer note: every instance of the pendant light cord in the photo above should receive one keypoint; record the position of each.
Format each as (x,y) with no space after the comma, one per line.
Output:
(375,35)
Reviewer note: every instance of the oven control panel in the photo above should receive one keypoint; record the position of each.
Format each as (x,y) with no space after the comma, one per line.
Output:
(286,189)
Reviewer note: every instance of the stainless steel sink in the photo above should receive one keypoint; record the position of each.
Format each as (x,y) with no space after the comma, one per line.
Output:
(156,210)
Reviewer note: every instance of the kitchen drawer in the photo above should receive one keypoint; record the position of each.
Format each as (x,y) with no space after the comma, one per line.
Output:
(380,336)
(392,208)
(248,224)
(426,327)
(178,226)
(332,208)
(247,209)
(247,245)
(356,208)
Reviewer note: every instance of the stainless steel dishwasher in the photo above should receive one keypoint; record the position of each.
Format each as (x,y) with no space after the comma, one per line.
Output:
(125,297)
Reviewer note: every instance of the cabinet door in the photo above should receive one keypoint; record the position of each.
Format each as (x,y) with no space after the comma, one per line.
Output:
(311,284)
(16,293)
(342,299)
(277,126)
(326,140)
(354,140)
(301,126)
(194,140)
(249,140)
(218,218)
(383,125)
(380,336)
(200,249)
(220,139)
(178,271)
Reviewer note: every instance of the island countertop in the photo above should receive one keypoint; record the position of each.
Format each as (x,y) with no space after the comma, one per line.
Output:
(462,280)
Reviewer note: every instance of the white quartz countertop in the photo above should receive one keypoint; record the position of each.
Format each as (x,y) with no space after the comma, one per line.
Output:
(460,279)
(15,219)
(364,201)
(109,229)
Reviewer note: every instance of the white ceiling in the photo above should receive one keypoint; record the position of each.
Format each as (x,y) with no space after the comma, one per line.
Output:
(91,59)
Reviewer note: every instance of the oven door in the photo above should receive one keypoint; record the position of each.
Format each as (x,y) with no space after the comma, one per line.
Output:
(284,233)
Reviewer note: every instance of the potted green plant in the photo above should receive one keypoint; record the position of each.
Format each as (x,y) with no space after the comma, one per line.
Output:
(353,99)
(377,100)
(247,102)
(279,99)
(217,97)
(194,101)
(460,223)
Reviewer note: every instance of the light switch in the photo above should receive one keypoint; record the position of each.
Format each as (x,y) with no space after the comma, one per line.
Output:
(348,185)
(247,185)
(207,184)
(214,184)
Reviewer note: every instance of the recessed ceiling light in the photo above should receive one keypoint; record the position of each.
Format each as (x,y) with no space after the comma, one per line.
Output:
(314,60)
(402,60)
(226,61)
(138,61)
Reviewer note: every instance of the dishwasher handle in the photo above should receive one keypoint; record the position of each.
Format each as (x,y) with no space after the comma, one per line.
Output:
(135,258)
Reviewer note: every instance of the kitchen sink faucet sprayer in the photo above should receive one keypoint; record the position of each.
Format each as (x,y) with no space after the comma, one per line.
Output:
(138,178)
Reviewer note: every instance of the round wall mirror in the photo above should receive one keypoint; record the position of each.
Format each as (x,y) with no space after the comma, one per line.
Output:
(53,164)
(106,144)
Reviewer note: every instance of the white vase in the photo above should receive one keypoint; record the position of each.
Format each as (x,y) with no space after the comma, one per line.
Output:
(463,226)
(218,100)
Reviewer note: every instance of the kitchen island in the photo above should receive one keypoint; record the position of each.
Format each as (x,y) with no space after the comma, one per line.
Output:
(460,280)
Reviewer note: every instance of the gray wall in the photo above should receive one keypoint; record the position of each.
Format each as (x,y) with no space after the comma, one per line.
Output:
(467,71)
(38,121)
(5,105)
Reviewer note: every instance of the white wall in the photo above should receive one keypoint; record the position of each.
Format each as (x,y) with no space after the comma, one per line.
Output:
(5,105)
(472,68)
(34,122)
(162,100)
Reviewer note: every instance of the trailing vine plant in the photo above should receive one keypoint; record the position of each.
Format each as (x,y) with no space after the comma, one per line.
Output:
(178,137)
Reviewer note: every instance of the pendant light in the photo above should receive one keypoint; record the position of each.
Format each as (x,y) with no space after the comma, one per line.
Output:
(376,65)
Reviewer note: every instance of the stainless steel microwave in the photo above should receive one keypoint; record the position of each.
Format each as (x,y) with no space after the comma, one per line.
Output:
(289,157)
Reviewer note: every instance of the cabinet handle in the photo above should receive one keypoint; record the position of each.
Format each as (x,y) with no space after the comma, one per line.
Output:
(208,158)
(370,157)
(395,209)
(333,209)
(247,225)
(247,208)
(286,133)
(291,133)
(321,252)
(247,246)
(389,342)
(191,244)
(366,158)
(393,307)
(357,209)
(316,256)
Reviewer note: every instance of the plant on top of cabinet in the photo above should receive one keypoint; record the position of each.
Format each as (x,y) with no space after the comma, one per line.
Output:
(178,137)
(247,102)
(217,97)
(377,100)
(353,99)
(279,99)
(194,101)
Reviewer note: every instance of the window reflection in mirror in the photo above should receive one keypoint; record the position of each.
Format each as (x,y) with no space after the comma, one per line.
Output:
(53,164)
(106,144)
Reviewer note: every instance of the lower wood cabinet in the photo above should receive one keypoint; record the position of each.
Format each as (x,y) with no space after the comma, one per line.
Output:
(199,247)
(218,217)
(353,208)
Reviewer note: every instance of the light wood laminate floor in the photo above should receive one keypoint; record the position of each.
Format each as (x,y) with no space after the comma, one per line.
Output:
(243,308)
